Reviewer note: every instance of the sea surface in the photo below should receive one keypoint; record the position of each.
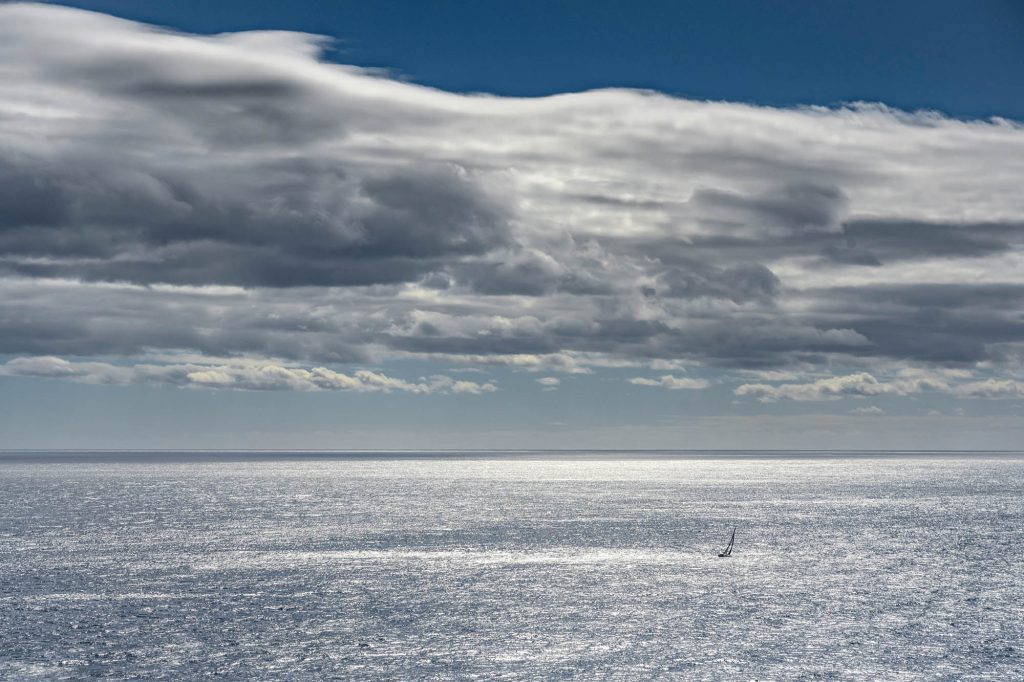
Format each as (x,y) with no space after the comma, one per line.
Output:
(501,566)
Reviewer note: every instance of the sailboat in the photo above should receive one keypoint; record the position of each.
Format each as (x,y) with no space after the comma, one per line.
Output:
(727,552)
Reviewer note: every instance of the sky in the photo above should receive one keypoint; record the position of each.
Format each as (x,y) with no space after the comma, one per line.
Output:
(512,225)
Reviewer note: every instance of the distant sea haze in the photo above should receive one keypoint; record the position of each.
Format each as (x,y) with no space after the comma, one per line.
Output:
(526,565)
(217,455)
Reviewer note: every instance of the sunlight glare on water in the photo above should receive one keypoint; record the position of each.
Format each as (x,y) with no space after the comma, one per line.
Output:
(526,567)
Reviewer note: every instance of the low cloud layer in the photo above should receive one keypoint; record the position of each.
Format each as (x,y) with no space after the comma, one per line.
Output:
(235,197)
(248,376)
(672,383)
(863,385)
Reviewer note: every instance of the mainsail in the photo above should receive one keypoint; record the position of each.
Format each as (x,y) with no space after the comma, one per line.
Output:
(728,548)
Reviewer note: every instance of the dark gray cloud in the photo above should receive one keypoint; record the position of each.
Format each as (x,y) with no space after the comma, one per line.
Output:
(738,283)
(29,199)
(855,242)
(1007,298)
(297,224)
(561,268)
(945,323)
(795,207)
(873,242)
(419,215)
(69,319)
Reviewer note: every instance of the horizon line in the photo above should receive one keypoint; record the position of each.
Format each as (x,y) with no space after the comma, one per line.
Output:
(502,450)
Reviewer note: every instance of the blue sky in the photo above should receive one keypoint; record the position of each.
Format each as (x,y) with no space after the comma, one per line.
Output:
(785,225)
(961,58)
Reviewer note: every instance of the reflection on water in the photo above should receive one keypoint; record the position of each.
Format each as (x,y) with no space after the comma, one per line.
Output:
(512,568)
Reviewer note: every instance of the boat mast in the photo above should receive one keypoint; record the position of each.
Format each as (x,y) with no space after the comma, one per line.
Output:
(728,548)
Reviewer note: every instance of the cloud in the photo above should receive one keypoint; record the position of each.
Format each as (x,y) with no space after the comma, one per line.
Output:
(876,241)
(908,381)
(955,322)
(739,284)
(869,411)
(800,207)
(549,383)
(570,363)
(991,388)
(236,196)
(851,385)
(673,383)
(252,377)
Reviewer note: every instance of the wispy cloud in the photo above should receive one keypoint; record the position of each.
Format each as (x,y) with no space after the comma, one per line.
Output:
(671,382)
(863,384)
(252,377)
(549,383)
(991,388)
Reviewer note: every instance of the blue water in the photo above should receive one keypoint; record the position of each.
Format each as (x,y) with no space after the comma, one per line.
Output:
(511,566)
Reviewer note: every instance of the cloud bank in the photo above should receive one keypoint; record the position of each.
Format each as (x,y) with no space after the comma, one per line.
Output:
(248,376)
(236,196)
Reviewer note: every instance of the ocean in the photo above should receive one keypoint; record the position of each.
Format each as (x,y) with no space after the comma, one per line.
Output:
(509,566)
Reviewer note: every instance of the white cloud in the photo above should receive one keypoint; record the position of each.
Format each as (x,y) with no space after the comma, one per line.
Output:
(673,383)
(907,382)
(254,377)
(549,383)
(570,363)
(666,365)
(870,411)
(236,196)
(857,385)
(991,388)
